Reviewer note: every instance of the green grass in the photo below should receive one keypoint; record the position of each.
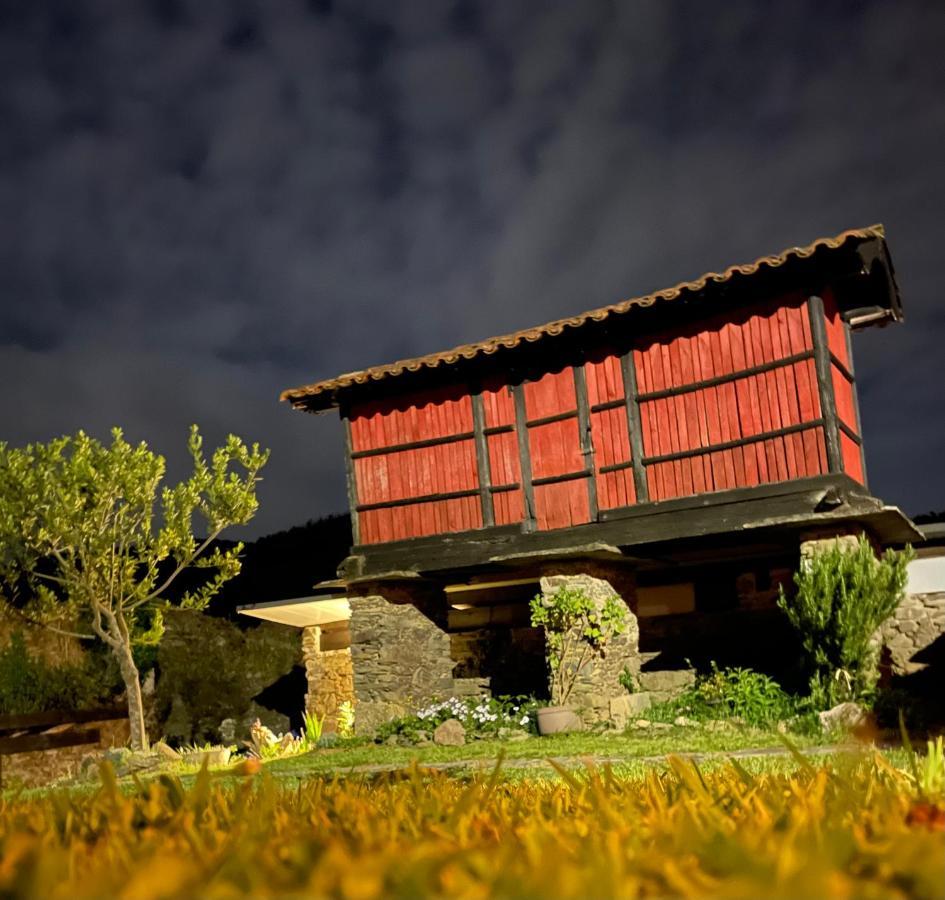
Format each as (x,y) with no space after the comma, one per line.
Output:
(650,742)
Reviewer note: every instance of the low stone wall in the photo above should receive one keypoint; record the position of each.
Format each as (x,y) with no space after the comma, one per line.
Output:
(43,767)
(914,635)
(330,678)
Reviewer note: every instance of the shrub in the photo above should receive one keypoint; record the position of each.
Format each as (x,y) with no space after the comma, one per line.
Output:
(725,693)
(575,629)
(843,597)
(28,684)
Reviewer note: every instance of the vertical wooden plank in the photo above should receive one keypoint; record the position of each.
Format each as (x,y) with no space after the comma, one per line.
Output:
(482,461)
(634,425)
(584,435)
(847,331)
(524,456)
(350,480)
(828,405)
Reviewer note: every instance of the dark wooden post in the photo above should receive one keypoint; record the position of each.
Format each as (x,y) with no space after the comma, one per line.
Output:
(587,443)
(828,402)
(482,461)
(351,480)
(634,425)
(856,400)
(524,455)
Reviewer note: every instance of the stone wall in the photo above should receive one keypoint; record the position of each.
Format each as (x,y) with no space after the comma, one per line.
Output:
(54,649)
(330,678)
(598,685)
(400,654)
(42,767)
(914,635)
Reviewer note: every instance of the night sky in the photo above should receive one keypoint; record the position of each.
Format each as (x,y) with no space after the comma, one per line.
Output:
(203,203)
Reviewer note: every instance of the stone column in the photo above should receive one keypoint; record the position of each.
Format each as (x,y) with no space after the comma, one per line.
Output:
(329,677)
(598,695)
(400,653)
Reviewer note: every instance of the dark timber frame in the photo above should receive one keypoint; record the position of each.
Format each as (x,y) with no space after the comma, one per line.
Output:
(524,456)
(822,364)
(635,425)
(351,481)
(482,461)
(587,443)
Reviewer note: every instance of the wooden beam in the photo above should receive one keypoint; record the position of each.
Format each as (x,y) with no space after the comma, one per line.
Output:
(587,442)
(414,445)
(847,333)
(351,481)
(30,743)
(482,461)
(423,498)
(31,721)
(524,455)
(731,445)
(634,426)
(828,402)
(726,379)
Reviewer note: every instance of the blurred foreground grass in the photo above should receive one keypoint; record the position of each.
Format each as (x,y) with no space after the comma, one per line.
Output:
(850,826)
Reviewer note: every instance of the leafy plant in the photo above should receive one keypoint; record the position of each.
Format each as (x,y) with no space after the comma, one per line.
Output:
(312,730)
(345,719)
(843,596)
(751,696)
(28,684)
(576,629)
(628,681)
(83,538)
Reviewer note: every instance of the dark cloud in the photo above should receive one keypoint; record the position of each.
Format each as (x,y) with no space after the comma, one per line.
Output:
(205,202)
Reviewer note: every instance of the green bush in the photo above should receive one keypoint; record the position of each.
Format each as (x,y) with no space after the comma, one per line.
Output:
(728,693)
(28,684)
(843,597)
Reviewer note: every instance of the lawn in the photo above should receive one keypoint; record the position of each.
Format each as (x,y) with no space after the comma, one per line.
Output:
(848,825)
(626,747)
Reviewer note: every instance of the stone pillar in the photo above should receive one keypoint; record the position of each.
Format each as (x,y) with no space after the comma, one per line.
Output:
(329,676)
(400,653)
(913,629)
(598,695)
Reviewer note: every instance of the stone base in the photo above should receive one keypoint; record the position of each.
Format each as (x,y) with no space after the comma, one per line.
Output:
(598,684)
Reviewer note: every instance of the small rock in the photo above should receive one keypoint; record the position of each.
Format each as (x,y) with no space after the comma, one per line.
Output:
(450,734)
(685,722)
(641,723)
(843,717)
(219,756)
(782,727)
(228,731)
(661,725)
(423,742)
(392,740)
(520,736)
(166,752)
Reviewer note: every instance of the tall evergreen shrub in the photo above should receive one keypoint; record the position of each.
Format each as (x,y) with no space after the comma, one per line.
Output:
(843,596)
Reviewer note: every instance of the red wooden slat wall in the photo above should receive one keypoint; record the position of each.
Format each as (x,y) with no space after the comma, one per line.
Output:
(399,475)
(556,450)
(610,434)
(844,390)
(505,470)
(745,406)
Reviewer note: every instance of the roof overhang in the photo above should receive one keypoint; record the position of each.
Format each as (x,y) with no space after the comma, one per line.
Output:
(862,252)
(302,612)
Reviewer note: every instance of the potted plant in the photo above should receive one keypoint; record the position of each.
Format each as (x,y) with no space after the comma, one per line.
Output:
(576,630)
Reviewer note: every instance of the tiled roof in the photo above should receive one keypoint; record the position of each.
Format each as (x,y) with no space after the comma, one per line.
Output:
(321,395)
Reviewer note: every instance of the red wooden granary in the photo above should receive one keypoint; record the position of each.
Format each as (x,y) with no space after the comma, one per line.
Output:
(713,422)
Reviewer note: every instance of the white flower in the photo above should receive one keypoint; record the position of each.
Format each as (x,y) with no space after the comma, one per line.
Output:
(523,720)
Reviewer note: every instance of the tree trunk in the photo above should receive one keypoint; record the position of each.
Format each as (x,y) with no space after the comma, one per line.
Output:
(132,680)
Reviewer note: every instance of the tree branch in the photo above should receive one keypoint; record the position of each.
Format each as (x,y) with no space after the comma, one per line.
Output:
(41,624)
(181,566)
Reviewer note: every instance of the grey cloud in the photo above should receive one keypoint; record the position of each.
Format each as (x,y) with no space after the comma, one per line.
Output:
(207,202)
